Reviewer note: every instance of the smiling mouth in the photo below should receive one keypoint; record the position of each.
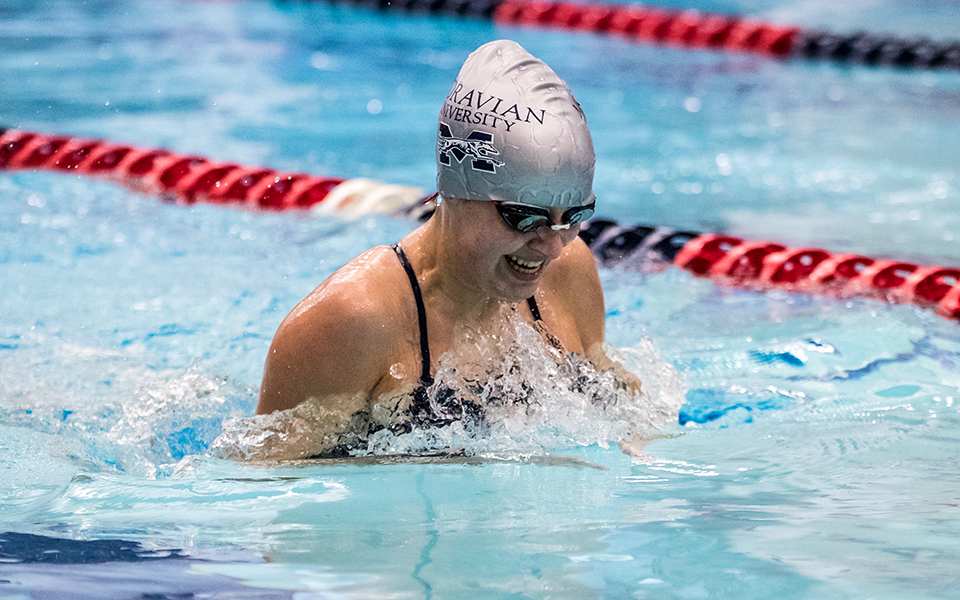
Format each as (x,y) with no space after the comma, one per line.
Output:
(527,267)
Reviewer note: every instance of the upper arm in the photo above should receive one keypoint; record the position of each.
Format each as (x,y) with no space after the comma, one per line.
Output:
(577,283)
(586,300)
(331,344)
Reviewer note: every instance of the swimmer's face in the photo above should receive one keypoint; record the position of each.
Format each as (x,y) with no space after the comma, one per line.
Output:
(504,262)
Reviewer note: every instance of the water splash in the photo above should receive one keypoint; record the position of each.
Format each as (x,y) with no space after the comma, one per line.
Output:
(515,396)
(133,419)
(173,417)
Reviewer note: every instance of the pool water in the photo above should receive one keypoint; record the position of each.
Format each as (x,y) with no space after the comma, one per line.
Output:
(817,447)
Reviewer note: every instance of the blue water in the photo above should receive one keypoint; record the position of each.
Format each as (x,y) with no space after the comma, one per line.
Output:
(816,452)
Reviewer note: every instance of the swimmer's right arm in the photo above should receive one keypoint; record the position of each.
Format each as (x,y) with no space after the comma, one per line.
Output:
(326,347)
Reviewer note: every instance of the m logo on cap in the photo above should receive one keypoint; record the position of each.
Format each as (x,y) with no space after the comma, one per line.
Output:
(477,146)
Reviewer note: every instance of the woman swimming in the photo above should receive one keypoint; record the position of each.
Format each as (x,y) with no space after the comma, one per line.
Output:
(515,165)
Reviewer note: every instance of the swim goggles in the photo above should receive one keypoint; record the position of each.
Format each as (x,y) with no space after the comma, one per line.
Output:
(525,218)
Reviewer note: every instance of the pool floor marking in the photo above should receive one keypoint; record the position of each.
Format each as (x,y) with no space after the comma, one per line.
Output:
(724,259)
(696,30)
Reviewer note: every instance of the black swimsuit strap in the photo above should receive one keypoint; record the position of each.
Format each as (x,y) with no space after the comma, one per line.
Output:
(425,376)
(540,326)
(532,303)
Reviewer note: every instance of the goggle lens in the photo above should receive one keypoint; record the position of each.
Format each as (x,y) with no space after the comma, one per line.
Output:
(526,218)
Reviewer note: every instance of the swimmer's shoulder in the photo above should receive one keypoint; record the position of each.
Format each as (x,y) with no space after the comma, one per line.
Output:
(341,338)
(370,269)
(573,285)
(357,299)
(575,268)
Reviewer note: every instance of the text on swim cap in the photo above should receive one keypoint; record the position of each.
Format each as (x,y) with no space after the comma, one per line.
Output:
(477,145)
(486,110)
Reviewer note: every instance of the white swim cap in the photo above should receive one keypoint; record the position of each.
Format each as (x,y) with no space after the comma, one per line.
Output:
(511,130)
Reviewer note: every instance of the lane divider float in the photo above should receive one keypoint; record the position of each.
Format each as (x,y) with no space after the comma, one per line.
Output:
(697,30)
(724,259)
(762,266)
(186,179)
(648,24)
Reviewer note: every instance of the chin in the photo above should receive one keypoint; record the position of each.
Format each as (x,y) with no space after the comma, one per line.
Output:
(519,293)
(516,286)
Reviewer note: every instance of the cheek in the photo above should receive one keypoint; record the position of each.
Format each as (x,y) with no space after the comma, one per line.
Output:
(494,245)
(483,246)
(489,237)
(483,235)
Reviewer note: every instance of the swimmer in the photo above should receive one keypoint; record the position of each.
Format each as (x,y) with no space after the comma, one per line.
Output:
(515,165)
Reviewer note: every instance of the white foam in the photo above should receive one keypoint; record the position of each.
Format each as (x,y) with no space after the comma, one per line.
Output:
(534,400)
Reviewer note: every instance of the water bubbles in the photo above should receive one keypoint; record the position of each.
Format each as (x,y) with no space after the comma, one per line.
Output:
(724,164)
(513,395)
(534,401)
(172,417)
(690,188)
(321,61)
(641,174)
(940,189)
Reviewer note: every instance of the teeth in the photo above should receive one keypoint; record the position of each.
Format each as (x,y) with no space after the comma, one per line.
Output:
(524,265)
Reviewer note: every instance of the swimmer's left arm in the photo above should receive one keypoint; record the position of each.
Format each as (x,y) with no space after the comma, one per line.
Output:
(587,304)
(574,280)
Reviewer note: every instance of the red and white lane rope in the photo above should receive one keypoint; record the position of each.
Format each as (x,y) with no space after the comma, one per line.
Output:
(189,179)
(696,30)
(650,24)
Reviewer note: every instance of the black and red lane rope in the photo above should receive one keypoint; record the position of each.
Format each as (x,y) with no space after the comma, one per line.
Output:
(185,179)
(724,259)
(694,29)
(729,260)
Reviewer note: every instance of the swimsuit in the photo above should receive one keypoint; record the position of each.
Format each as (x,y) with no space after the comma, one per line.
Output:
(446,407)
(442,407)
(426,380)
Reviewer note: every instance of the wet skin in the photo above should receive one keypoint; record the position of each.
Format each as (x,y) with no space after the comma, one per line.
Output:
(355,339)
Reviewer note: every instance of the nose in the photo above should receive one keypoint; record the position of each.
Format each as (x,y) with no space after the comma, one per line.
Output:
(550,242)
